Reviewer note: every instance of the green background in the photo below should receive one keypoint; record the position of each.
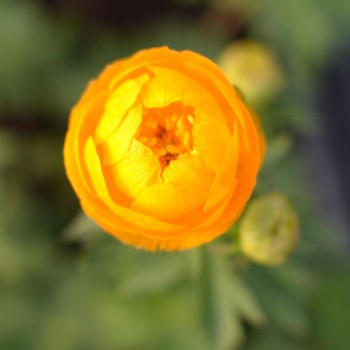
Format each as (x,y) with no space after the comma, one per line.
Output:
(65,285)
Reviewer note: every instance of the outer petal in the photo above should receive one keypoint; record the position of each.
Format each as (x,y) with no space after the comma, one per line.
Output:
(225,179)
(75,141)
(262,139)
(211,139)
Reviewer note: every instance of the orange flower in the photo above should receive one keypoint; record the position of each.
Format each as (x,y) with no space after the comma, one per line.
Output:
(161,151)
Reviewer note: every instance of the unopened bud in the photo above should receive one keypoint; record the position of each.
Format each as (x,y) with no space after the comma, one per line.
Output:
(269,230)
(253,68)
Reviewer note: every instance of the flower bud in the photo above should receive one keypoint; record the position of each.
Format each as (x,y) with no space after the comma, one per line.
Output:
(269,230)
(253,68)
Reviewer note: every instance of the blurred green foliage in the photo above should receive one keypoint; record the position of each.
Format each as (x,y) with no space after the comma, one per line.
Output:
(66,285)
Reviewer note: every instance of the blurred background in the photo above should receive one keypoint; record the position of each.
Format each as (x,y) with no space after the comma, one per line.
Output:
(65,285)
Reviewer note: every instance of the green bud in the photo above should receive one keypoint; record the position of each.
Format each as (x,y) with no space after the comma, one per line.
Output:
(269,230)
(254,68)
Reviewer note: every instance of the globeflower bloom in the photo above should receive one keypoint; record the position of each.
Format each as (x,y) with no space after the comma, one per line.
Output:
(161,151)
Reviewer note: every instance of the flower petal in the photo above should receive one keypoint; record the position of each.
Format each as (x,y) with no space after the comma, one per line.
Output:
(138,169)
(169,202)
(121,100)
(79,132)
(118,143)
(94,168)
(168,86)
(118,219)
(211,139)
(188,170)
(225,179)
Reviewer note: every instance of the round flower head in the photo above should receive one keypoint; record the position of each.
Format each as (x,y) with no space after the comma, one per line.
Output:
(269,230)
(254,68)
(161,151)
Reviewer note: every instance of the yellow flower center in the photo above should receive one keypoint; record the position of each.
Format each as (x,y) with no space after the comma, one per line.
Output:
(167,131)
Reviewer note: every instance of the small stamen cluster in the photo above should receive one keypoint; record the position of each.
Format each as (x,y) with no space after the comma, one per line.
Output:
(167,131)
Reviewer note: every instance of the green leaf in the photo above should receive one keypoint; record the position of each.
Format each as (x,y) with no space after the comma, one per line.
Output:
(154,273)
(278,148)
(282,298)
(331,311)
(226,302)
(83,230)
